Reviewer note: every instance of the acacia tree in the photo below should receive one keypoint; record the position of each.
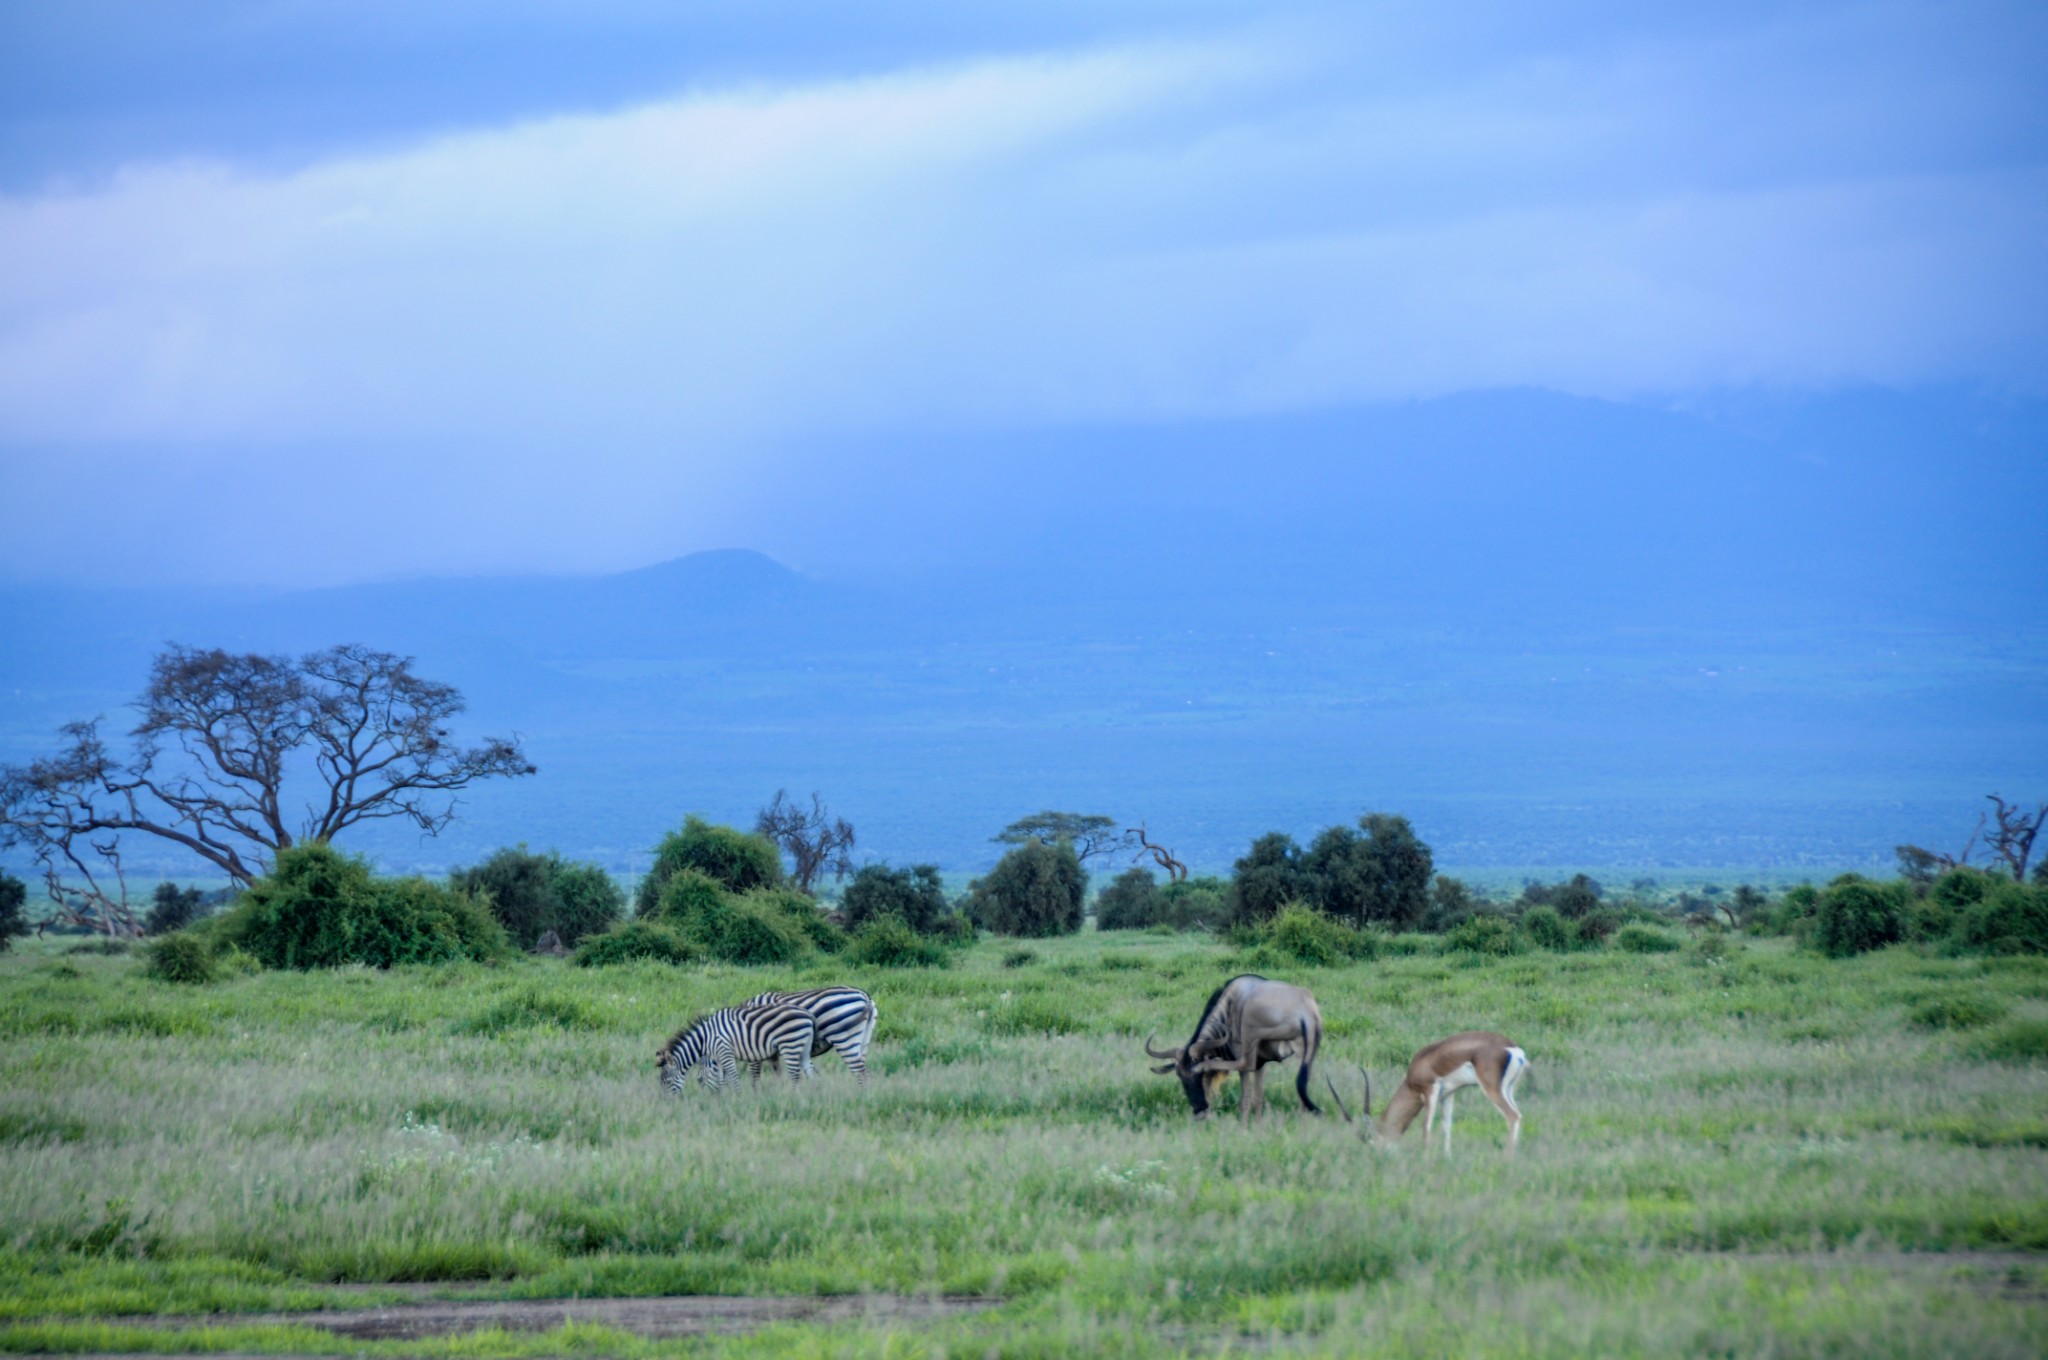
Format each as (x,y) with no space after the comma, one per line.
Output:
(815,840)
(238,757)
(1089,833)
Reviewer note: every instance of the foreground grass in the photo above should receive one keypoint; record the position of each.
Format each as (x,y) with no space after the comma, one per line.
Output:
(1765,1153)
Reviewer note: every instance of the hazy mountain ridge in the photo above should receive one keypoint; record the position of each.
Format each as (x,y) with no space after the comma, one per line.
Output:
(1634,655)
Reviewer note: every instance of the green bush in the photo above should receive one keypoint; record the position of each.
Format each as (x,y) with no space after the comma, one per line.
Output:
(587,899)
(1493,936)
(174,908)
(1794,913)
(1641,939)
(802,913)
(1018,958)
(1958,1012)
(688,894)
(1304,935)
(319,908)
(13,910)
(1546,929)
(532,894)
(1268,877)
(2011,918)
(915,896)
(1132,901)
(1036,889)
(530,1009)
(751,929)
(180,957)
(885,942)
(516,885)
(629,941)
(1855,915)
(733,859)
(2016,1041)
(1201,903)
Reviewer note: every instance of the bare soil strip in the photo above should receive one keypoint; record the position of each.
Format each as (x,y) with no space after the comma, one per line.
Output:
(679,1315)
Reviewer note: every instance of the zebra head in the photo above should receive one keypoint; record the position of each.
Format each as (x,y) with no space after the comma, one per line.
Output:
(674,1059)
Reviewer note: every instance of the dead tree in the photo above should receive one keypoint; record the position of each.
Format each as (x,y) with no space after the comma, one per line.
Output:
(815,840)
(2012,839)
(1175,870)
(224,742)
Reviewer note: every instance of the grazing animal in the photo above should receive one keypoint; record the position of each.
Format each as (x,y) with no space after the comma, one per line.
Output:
(1248,1023)
(1437,1073)
(845,1018)
(717,1044)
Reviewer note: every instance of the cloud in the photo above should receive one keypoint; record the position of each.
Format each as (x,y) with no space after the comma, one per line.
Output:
(1299,214)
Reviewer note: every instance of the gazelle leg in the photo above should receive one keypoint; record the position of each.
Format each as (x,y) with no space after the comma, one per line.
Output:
(1503,1099)
(1450,1106)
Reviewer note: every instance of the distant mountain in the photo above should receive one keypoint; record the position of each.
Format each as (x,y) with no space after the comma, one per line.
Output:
(1553,631)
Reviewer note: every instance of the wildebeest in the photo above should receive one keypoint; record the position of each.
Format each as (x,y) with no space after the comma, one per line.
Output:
(1249,1022)
(1437,1073)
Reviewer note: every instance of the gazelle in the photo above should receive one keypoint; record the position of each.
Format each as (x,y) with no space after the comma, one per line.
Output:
(1437,1073)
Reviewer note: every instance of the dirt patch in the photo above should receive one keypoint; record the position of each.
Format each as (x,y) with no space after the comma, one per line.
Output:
(676,1315)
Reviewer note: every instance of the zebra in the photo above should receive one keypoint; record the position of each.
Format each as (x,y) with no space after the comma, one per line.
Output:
(846,1023)
(719,1042)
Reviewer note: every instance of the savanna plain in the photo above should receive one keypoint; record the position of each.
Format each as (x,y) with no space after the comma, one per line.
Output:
(1737,1150)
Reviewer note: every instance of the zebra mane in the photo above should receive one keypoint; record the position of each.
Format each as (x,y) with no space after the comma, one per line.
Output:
(681,1034)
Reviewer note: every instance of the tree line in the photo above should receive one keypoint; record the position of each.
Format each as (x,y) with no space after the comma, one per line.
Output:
(227,743)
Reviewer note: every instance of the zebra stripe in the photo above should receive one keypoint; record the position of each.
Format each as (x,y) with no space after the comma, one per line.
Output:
(845,1019)
(717,1044)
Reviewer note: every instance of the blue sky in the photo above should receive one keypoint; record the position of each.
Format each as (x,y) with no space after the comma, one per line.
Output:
(484,288)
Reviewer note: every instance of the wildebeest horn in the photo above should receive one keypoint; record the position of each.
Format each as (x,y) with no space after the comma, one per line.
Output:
(1339,1099)
(1152,1052)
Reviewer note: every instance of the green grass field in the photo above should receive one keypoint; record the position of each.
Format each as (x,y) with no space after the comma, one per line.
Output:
(1764,1154)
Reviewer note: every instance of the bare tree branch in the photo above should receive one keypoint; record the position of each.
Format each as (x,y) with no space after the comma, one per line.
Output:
(220,738)
(814,840)
(1175,870)
(2012,840)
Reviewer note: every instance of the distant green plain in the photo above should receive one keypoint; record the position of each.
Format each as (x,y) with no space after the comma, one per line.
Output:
(1769,1153)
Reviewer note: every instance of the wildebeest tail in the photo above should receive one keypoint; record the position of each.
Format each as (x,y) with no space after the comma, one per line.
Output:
(1301,1076)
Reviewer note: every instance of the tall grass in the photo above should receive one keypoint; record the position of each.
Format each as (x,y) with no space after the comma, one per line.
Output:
(1705,1136)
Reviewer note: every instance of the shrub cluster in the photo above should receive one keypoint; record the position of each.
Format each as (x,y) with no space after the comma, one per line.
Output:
(13,913)
(532,894)
(886,942)
(319,908)
(1377,874)
(1493,936)
(915,897)
(632,941)
(1637,938)
(181,956)
(736,861)
(1965,910)
(174,908)
(1299,933)
(1035,890)
(1135,900)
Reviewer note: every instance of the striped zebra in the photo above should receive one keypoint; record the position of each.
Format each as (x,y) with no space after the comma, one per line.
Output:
(845,1018)
(717,1044)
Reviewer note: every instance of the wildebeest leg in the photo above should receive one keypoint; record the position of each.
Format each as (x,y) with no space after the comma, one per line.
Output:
(1253,1087)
